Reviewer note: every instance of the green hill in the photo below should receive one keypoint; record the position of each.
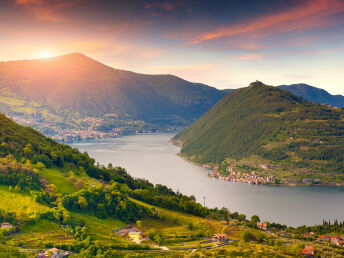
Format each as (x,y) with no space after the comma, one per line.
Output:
(77,86)
(261,124)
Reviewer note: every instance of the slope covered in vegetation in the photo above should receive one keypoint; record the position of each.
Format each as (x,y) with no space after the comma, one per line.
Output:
(262,124)
(77,86)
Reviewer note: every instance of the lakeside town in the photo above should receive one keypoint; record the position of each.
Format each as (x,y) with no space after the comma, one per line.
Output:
(236,176)
(90,128)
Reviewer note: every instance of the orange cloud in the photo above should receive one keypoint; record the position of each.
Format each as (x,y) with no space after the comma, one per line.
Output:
(309,14)
(250,56)
(47,10)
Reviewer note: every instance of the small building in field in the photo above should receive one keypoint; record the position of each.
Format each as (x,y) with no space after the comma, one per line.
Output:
(135,235)
(337,241)
(54,253)
(219,238)
(6,225)
(262,226)
(324,238)
(308,250)
(308,234)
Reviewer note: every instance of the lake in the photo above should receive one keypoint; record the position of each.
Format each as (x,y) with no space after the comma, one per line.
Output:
(152,157)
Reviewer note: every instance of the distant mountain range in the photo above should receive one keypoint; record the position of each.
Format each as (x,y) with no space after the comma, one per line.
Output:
(75,85)
(260,125)
(314,94)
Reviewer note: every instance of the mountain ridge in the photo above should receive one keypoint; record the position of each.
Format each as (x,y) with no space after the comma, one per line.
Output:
(77,83)
(314,94)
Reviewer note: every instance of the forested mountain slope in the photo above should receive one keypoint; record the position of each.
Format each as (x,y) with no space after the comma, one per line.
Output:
(262,124)
(76,84)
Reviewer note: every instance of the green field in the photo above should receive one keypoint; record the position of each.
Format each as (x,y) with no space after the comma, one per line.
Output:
(59,179)
(100,229)
(19,202)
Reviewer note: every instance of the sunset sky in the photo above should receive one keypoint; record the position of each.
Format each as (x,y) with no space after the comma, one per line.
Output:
(226,44)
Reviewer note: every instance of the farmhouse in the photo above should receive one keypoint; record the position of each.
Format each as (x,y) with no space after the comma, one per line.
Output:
(308,250)
(262,226)
(219,238)
(6,225)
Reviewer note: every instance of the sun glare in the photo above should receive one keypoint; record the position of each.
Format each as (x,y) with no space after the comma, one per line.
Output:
(44,54)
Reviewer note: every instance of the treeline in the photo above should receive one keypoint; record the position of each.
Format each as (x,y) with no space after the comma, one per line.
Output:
(145,191)
(171,202)
(104,202)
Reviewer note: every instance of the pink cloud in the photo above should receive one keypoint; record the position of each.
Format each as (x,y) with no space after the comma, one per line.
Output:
(47,10)
(251,56)
(309,14)
(167,6)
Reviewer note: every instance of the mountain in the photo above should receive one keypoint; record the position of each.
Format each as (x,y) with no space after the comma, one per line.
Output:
(264,125)
(76,85)
(314,94)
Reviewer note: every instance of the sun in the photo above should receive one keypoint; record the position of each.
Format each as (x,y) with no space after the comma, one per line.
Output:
(44,54)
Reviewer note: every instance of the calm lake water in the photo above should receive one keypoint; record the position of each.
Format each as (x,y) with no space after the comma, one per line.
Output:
(152,157)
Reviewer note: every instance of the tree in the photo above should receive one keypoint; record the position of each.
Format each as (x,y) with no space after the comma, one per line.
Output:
(241,217)
(139,224)
(255,219)
(82,203)
(246,236)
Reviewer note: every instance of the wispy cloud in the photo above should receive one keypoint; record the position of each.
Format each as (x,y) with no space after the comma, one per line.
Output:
(47,10)
(168,6)
(251,56)
(308,14)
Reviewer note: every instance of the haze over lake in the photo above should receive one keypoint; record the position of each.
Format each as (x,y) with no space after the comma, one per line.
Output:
(152,157)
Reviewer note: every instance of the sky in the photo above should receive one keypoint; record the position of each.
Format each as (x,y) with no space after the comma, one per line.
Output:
(225,44)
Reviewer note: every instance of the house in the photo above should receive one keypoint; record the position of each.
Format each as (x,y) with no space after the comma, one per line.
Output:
(308,234)
(219,238)
(6,225)
(337,241)
(308,250)
(135,235)
(54,253)
(262,226)
(324,238)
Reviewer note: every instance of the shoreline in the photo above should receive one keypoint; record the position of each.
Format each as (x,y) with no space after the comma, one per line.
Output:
(211,167)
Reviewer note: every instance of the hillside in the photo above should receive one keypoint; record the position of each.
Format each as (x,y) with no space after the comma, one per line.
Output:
(75,85)
(53,196)
(314,94)
(263,125)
